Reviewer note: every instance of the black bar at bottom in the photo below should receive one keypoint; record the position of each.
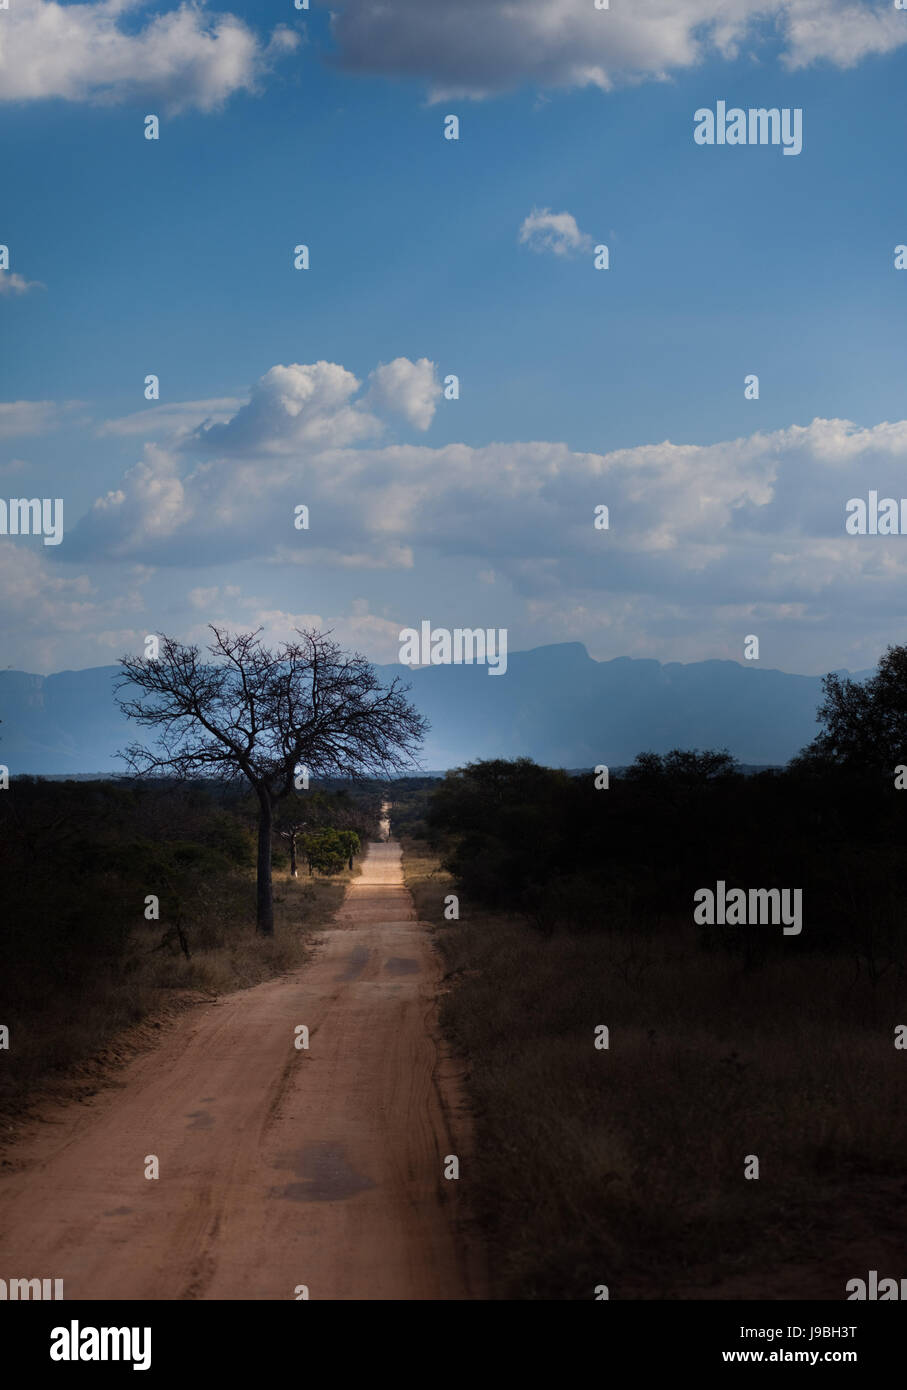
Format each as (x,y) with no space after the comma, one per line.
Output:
(242,1338)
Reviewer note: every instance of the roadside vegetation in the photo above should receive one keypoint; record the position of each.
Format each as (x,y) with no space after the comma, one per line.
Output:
(124,897)
(625,1166)
(125,900)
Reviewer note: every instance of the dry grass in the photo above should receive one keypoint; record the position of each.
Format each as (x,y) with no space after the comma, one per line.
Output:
(80,1030)
(626,1166)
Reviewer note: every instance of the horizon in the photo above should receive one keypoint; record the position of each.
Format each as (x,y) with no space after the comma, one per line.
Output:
(561,708)
(524,651)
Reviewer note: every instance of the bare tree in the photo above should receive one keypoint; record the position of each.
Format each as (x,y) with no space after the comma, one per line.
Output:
(290,831)
(265,715)
(295,815)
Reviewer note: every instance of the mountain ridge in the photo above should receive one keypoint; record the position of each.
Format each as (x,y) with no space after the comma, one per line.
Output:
(555,703)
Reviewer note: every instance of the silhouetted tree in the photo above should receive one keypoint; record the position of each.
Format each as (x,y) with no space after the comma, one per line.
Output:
(264,714)
(865,722)
(683,766)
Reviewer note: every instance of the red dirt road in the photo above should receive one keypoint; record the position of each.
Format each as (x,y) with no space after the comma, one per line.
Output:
(278,1167)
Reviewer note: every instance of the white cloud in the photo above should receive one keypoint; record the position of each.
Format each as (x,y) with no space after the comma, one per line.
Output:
(387,556)
(843,34)
(173,418)
(476,48)
(33,417)
(544,230)
(292,407)
(203,598)
(359,630)
(406,388)
(702,538)
(186,57)
(216,594)
(758,518)
(13,283)
(149,508)
(706,542)
(307,407)
(49,618)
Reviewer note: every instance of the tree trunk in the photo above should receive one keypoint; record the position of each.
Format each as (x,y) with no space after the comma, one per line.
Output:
(351,860)
(182,937)
(264,917)
(294,871)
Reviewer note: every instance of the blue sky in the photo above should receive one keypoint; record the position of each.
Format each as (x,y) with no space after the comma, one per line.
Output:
(175,257)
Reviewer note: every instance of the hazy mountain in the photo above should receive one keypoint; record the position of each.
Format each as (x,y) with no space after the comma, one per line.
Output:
(554,704)
(559,706)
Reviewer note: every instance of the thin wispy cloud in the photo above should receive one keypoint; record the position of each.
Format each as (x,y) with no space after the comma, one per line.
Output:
(12,283)
(34,417)
(178,417)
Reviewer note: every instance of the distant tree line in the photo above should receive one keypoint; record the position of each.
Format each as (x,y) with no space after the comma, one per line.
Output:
(553,848)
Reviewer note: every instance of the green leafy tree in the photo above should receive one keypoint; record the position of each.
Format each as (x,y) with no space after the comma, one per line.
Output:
(300,811)
(351,844)
(325,851)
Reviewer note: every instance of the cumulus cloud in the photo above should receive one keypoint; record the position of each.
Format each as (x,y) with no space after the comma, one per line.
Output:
(705,542)
(304,407)
(136,519)
(750,525)
(293,407)
(406,388)
(476,48)
(13,283)
(300,422)
(544,230)
(186,57)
